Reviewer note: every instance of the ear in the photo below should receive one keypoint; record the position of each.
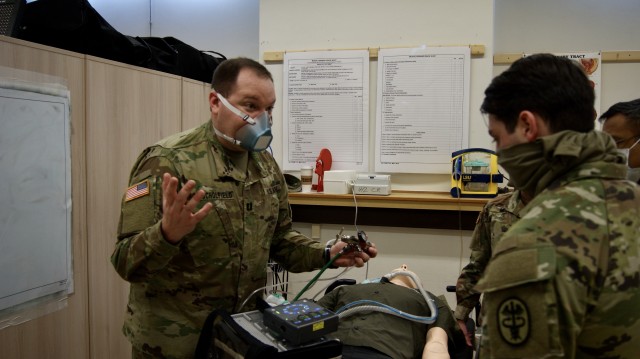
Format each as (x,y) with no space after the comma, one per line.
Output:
(531,125)
(214,103)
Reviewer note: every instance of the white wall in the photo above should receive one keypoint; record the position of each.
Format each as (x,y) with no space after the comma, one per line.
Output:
(436,255)
(566,25)
(575,25)
(293,25)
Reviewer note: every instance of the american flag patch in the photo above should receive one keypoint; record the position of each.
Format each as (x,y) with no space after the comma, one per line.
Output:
(137,190)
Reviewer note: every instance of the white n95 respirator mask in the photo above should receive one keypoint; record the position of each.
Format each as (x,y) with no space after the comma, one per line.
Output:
(255,135)
(633,174)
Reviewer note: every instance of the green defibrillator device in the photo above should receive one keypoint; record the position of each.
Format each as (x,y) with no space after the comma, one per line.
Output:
(474,173)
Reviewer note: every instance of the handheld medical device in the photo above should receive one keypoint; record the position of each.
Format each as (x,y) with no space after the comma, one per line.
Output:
(474,173)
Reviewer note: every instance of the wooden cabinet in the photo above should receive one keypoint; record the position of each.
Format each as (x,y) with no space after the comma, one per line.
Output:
(195,103)
(116,111)
(127,109)
(63,333)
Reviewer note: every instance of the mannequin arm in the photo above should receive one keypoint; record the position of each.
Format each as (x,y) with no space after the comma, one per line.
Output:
(436,347)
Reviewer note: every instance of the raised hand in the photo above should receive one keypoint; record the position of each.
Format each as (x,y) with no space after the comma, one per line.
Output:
(178,218)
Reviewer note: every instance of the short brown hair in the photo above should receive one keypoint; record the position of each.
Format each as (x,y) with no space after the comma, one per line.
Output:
(226,74)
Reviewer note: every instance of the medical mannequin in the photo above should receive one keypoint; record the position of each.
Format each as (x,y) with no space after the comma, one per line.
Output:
(436,346)
(371,334)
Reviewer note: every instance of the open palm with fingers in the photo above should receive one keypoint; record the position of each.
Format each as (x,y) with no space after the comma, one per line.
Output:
(178,217)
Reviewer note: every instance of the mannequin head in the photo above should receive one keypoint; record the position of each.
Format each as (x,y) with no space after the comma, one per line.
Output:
(403,280)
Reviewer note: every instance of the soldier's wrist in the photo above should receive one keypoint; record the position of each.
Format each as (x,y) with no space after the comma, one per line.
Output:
(164,235)
(327,256)
(461,312)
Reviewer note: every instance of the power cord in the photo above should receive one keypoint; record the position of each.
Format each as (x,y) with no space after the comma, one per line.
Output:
(315,278)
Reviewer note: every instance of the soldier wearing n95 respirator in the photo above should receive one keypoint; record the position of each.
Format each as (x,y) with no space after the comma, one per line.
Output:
(205,211)
(622,122)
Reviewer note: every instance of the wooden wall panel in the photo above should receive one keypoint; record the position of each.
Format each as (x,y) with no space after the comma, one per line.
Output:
(63,333)
(128,108)
(195,103)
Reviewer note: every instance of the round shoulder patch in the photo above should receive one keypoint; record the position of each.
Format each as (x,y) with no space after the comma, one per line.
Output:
(514,322)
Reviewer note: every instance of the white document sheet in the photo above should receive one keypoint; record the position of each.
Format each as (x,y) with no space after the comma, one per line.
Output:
(422,109)
(326,105)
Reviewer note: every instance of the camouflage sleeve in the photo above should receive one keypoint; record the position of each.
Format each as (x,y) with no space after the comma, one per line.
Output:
(141,249)
(525,301)
(296,252)
(467,297)
(556,286)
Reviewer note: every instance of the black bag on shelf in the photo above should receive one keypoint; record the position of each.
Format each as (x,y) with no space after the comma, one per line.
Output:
(193,63)
(156,54)
(75,25)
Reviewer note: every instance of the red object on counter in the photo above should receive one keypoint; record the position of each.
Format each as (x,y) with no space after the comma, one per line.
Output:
(323,163)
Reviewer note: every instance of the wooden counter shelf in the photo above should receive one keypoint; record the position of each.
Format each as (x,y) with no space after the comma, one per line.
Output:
(437,210)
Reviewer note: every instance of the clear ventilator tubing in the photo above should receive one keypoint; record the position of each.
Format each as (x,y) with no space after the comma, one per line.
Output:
(369,305)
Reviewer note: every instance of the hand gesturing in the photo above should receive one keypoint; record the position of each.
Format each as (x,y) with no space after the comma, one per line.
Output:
(178,218)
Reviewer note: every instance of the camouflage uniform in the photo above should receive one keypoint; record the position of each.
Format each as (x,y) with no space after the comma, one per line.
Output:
(564,280)
(493,221)
(220,263)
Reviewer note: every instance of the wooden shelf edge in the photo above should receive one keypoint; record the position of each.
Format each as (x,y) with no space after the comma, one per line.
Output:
(606,56)
(278,56)
(397,199)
